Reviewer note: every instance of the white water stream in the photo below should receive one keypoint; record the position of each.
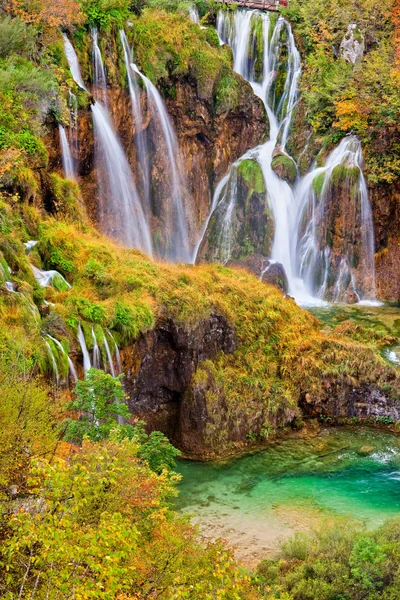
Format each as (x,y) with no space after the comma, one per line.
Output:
(173,211)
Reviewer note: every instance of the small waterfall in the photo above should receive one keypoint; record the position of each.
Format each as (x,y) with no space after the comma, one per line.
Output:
(173,213)
(48,278)
(71,365)
(53,361)
(314,269)
(117,353)
(29,245)
(140,134)
(194,14)
(96,351)
(329,267)
(109,357)
(121,213)
(67,160)
(73,62)
(86,357)
(99,73)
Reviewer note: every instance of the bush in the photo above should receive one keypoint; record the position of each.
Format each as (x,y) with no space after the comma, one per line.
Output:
(16,37)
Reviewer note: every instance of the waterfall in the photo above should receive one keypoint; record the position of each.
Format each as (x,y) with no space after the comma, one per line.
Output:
(140,134)
(73,62)
(47,278)
(194,14)
(53,361)
(96,351)
(67,160)
(99,73)
(121,214)
(109,357)
(172,213)
(337,268)
(71,365)
(315,271)
(117,353)
(86,357)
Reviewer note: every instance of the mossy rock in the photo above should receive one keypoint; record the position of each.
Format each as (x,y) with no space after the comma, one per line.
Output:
(318,183)
(251,173)
(284,167)
(342,173)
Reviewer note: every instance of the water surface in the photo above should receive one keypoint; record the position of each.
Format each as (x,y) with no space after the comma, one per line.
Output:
(255,500)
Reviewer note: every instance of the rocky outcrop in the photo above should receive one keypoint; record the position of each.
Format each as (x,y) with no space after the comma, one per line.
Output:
(160,367)
(346,401)
(209,140)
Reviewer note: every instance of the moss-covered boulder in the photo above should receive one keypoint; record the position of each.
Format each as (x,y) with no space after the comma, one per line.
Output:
(242,223)
(285,167)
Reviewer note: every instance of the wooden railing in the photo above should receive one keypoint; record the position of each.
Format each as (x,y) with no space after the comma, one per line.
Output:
(259,4)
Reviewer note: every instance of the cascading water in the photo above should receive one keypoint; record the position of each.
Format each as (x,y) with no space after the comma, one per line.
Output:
(117,353)
(73,62)
(346,264)
(121,214)
(71,365)
(53,362)
(109,357)
(85,353)
(194,14)
(67,160)
(172,213)
(140,133)
(99,73)
(96,351)
(313,268)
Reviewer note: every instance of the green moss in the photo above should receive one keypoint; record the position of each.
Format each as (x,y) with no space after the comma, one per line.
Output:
(318,183)
(344,174)
(251,172)
(285,167)
(226,95)
(66,197)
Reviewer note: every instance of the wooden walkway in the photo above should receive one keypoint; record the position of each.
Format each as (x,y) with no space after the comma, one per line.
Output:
(258,4)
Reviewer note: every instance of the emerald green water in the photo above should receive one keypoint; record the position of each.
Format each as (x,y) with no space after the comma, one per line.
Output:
(255,500)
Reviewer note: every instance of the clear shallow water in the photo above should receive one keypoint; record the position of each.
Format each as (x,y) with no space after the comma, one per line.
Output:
(255,500)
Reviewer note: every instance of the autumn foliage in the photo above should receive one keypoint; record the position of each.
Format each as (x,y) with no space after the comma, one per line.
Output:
(48,13)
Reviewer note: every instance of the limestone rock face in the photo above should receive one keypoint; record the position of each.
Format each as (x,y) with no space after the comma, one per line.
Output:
(346,401)
(352,46)
(160,367)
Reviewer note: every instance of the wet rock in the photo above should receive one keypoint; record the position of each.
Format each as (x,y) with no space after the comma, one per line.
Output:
(275,275)
(265,269)
(160,367)
(242,223)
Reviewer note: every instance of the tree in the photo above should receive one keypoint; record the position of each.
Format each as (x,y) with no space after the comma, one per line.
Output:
(98,526)
(99,401)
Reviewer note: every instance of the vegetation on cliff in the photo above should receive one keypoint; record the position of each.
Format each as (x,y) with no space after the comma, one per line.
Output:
(342,97)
